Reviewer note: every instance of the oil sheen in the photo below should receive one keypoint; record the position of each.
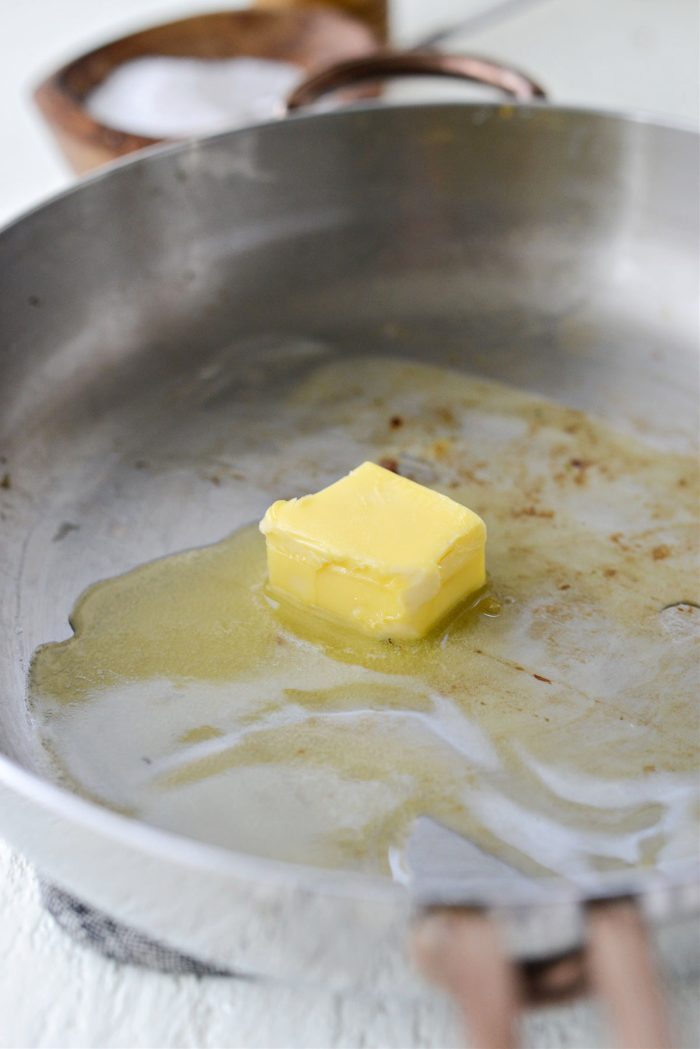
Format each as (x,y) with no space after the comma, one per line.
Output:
(552,720)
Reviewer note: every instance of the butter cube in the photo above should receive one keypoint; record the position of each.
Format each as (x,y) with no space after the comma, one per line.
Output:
(375,551)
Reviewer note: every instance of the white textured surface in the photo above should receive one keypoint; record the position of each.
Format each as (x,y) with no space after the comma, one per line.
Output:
(54,995)
(633,53)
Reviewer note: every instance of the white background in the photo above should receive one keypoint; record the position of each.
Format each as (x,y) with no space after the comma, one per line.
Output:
(619,54)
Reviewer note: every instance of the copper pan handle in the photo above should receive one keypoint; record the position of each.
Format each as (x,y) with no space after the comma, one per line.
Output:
(510,81)
(622,974)
(460,950)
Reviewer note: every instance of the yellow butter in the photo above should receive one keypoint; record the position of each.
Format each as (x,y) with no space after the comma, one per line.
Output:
(376,551)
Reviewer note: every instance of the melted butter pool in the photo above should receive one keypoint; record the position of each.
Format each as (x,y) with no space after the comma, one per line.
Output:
(552,720)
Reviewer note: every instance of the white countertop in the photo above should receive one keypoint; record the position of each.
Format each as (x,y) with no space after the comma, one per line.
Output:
(630,54)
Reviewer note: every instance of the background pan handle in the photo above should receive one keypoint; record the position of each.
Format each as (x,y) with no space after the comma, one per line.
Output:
(461,951)
(510,81)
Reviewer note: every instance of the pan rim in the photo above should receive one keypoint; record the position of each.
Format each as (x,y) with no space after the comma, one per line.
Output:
(637,118)
(190,852)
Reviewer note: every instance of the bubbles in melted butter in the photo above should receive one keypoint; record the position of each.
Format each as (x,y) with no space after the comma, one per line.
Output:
(489,606)
(550,720)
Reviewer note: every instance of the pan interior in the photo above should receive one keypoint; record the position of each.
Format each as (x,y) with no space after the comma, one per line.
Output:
(548,721)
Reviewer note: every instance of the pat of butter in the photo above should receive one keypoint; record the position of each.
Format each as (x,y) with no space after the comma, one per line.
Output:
(376,551)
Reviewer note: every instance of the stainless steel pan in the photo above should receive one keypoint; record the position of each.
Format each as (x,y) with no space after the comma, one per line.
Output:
(465,226)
